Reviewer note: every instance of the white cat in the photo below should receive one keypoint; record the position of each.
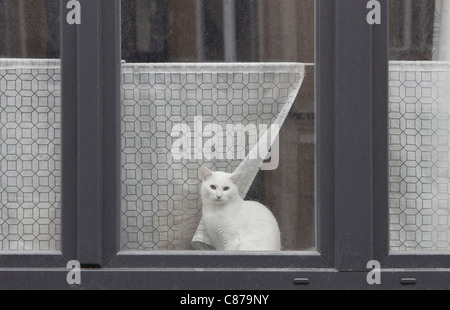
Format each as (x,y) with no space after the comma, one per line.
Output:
(232,223)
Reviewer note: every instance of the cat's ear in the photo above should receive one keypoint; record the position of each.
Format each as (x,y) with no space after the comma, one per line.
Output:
(236,177)
(206,173)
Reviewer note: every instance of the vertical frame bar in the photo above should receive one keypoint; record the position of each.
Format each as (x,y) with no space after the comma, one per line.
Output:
(111,126)
(89,134)
(69,103)
(324,128)
(353,136)
(91,158)
(380,65)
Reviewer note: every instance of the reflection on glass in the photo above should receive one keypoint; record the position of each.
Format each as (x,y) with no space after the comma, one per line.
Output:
(160,194)
(419,125)
(30,126)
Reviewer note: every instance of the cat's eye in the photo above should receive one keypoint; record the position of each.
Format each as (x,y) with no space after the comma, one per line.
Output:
(226,188)
(213,187)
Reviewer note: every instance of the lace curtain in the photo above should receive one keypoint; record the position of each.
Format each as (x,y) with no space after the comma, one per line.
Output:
(161,204)
(161,208)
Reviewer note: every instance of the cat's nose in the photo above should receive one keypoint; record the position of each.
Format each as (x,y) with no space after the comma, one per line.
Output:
(219,196)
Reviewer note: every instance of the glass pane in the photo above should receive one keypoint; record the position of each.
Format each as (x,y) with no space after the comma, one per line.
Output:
(30,126)
(419,125)
(194,69)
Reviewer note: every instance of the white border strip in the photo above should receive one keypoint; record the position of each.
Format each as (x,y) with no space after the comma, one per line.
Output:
(213,67)
(256,67)
(416,66)
(36,64)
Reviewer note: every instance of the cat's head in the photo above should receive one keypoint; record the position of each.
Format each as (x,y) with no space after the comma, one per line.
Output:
(219,187)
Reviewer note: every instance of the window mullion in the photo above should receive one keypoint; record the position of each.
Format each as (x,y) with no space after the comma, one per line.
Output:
(91,81)
(353,137)
(89,134)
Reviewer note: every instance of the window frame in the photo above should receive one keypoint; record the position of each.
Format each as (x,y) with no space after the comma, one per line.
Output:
(321,258)
(103,250)
(352,206)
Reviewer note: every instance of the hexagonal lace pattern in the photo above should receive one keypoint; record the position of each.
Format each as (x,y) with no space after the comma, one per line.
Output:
(419,149)
(161,204)
(30,155)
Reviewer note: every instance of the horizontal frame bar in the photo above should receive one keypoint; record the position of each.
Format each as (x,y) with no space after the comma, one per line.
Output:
(221,279)
(414,260)
(213,259)
(34,259)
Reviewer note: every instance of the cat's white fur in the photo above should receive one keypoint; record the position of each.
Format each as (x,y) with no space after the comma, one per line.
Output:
(232,223)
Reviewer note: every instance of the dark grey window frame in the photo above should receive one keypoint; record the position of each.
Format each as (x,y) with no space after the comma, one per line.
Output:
(352,209)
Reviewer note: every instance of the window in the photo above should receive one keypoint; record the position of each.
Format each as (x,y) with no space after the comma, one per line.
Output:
(233,83)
